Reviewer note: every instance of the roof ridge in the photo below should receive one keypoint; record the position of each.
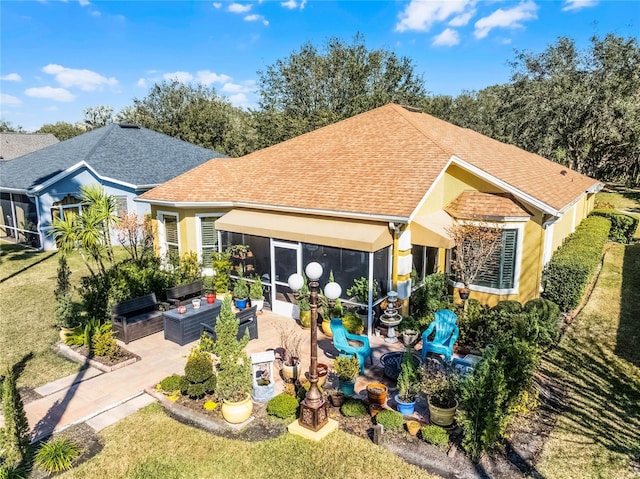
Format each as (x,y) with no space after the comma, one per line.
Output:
(401,111)
(108,129)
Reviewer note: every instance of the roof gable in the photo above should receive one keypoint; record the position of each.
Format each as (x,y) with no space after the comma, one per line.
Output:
(124,153)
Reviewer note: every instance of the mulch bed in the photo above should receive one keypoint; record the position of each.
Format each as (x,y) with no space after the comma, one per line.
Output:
(124,356)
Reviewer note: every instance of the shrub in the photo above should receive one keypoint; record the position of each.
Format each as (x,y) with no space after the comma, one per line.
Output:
(57,455)
(435,435)
(623,226)
(508,305)
(171,383)
(431,296)
(352,322)
(390,419)
(346,367)
(548,318)
(103,342)
(573,264)
(353,408)
(470,322)
(14,436)
(283,406)
(198,374)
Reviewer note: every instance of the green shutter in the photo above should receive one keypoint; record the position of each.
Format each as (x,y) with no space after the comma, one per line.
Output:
(508,258)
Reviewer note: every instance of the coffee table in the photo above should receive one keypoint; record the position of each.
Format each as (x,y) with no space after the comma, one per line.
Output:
(183,328)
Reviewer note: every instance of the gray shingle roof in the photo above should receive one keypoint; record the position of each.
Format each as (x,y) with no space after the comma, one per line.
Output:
(121,152)
(13,145)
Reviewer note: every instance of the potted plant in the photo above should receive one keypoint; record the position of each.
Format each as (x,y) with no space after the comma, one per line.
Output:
(256,294)
(290,344)
(475,245)
(329,311)
(347,369)
(408,384)
(409,330)
(377,393)
(222,274)
(336,396)
(305,312)
(441,384)
(359,293)
(241,293)
(234,380)
(209,291)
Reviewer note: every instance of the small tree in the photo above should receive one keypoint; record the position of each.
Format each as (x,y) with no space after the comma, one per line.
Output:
(475,244)
(135,234)
(14,436)
(234,371)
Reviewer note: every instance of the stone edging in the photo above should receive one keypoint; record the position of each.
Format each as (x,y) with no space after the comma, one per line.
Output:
(67,351)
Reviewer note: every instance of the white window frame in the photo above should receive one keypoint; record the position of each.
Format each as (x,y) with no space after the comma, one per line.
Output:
(162,233)
(199,216)
(518,262)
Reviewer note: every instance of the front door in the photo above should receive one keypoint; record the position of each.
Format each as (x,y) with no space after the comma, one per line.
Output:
(286,259)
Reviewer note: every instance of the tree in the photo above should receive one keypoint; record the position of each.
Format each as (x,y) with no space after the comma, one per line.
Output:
(106,209)
(61,130)
(98,116)
(311,88)
(195,114)
(135,234)
(7,127)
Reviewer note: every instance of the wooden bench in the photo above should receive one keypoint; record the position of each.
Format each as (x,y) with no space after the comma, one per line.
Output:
(182,294)
(138,317)
(247,319)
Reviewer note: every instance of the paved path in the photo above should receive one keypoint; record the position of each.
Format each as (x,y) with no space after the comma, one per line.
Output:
(101,399)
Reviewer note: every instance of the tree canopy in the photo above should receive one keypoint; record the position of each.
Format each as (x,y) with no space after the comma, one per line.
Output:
(312,88)
(62,130)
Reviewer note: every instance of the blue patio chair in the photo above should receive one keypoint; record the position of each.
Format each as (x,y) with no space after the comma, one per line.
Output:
(446,334)
(341,338)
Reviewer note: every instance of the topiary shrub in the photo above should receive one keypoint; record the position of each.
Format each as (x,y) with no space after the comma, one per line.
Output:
(434,435)
(198,374)
(549,319)
(508,305)
(353,408)
(57,455)
(574,263)
(390,419)
(282,406)
(623,226)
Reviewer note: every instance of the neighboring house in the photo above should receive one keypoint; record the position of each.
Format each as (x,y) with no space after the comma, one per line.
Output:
(373,196)
(125,159)
(13,145)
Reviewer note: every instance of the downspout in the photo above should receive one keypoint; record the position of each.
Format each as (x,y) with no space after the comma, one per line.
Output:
(370,301)
(394,264)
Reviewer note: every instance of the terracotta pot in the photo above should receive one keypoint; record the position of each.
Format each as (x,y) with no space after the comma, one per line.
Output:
(337,399)
(413,427)
(377,393)
(237,412)
(442,416)
(464,293)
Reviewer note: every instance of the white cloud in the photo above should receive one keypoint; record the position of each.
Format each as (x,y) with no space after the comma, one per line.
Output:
(247,87)
(207,78)
(420,15)
(95,13)
(510,18)
(240,100)
(217,5)
(56,94)
(86,80)
(239,7)
(293,4)
(84,3)
(578,4)
(142,83)
(9,100)
(182,77)
(11,77)
(256,18)
(462,20)
(448,38)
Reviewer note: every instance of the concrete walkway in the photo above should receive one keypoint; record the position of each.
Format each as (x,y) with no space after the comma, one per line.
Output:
(102,398)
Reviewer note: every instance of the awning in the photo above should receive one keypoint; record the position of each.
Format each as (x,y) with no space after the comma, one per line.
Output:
(340,233)
(430,229)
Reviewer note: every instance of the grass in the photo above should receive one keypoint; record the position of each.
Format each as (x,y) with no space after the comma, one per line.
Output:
(149,444)
(27,327)
(598,359)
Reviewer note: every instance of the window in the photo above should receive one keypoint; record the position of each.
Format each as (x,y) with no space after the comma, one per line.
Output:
(499,271)
(68,204)
(208,240)
(122,208)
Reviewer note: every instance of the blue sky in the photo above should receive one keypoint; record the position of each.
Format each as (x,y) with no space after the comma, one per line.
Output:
(60,57)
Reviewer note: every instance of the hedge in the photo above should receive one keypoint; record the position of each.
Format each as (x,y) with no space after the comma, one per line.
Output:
(623,226)
(574,263)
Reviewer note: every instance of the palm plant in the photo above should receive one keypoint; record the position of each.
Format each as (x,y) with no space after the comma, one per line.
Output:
(106,208)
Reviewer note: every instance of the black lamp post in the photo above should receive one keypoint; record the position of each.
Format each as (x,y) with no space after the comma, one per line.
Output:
(313,409)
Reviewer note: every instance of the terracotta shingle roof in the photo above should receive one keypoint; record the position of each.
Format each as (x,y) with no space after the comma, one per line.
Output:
(479,205)
(381,162)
